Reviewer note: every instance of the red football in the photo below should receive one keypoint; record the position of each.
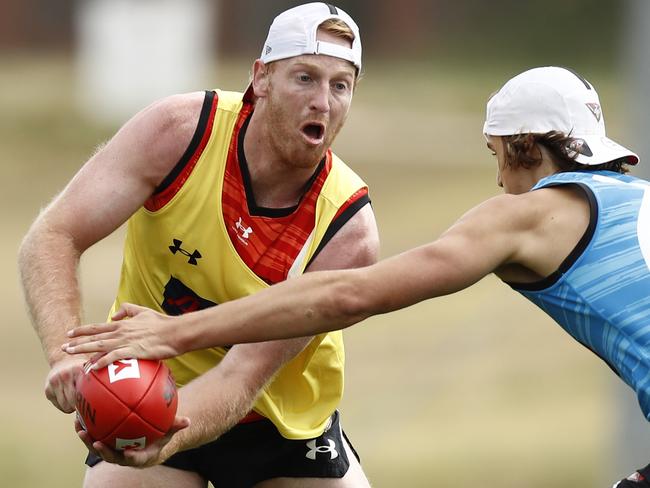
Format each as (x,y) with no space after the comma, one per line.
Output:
(128,404)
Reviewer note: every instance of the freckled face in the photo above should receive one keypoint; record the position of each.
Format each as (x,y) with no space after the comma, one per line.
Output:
(307,103)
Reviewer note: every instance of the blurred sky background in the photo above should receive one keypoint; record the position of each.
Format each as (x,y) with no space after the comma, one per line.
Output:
(479,386)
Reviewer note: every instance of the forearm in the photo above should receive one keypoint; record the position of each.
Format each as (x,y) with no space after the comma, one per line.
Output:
(214,405)
(48,263)
(315,303)
(218,399)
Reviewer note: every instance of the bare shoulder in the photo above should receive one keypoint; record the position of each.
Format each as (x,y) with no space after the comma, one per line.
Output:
(547,224)
(176,111)
(355,244)
(554,205)
(164,130)
(500,212)
(529,210)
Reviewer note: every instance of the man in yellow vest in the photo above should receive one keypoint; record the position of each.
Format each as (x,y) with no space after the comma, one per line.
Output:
(225,194)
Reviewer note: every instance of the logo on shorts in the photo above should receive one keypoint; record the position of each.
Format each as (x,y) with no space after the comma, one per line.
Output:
(313,449)
(636,477)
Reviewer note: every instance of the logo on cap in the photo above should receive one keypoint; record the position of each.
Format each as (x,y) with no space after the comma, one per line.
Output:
(267,49)
(580,146)
(595,109)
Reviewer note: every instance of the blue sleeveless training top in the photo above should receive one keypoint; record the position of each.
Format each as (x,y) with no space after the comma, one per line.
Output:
(601,292)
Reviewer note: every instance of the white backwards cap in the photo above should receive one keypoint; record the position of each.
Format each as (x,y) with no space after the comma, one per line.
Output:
(293,33)
(547,99)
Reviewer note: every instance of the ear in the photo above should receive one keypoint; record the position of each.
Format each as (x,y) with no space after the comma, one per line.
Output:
(261,79)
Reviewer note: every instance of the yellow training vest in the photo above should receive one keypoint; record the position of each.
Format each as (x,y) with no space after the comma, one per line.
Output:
(182,252)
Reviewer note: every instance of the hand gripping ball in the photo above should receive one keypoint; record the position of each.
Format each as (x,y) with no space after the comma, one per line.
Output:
(128,404)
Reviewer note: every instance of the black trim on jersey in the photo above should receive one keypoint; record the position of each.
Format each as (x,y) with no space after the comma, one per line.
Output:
(194,143)
(584,81)
(571,258)
(336,225)
(253,209)
(577,250)
(333,9)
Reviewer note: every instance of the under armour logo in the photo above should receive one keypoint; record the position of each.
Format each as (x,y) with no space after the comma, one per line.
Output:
(313,449)
(191,257)
(244,230)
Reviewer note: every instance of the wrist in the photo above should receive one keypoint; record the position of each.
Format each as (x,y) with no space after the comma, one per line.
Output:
(179,337)
(57,356)
(186,333)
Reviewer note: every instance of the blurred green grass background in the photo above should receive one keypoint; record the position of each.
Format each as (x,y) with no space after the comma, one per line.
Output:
(474,389)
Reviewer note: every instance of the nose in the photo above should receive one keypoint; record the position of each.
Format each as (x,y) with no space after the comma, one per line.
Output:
(320,100)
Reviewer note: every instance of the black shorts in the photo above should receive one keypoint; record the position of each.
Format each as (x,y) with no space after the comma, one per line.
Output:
(253,452)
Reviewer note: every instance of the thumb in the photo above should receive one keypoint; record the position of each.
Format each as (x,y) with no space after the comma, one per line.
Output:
(128,310)
(179,423)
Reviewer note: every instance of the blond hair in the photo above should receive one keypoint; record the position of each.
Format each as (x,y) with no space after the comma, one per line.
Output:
(338,28)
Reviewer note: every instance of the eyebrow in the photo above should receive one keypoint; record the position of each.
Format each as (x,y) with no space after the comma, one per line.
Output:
(308,65)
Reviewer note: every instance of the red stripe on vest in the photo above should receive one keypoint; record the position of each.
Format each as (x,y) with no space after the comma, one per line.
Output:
(159,200)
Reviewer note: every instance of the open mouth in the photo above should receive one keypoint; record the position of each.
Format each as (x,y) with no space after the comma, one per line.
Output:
(314,132)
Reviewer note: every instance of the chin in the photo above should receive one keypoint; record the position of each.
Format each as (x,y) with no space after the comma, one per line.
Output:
(309,159)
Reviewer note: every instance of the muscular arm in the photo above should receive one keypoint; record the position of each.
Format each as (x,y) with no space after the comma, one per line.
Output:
(534,232)
(114,182)
(522,238)
(477,244)
(488,237)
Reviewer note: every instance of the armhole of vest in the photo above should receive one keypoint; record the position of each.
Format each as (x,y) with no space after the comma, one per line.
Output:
(181,171)
(577,250)
(355,203)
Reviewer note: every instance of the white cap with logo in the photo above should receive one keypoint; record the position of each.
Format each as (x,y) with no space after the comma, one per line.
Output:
(294,31)
(547,99)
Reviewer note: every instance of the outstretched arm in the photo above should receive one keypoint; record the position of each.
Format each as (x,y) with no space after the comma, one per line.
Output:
(484,239)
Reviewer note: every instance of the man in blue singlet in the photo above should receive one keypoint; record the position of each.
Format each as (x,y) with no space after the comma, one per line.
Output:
(571,234)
